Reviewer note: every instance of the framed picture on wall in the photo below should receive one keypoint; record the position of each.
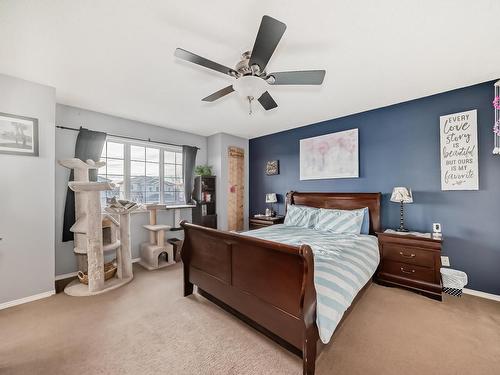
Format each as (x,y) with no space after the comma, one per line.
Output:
(272,167)
(18,135)
(334,155)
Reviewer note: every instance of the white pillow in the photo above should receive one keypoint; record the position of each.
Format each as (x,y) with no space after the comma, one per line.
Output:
(301,216)
(340,221)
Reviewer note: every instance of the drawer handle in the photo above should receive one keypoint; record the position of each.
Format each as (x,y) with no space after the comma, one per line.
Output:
(406,255)
(405,271)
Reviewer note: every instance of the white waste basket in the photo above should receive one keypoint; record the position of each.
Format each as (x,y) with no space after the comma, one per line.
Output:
(453,281)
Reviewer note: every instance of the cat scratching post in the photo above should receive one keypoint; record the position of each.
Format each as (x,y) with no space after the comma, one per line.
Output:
(88,230)
(152,251)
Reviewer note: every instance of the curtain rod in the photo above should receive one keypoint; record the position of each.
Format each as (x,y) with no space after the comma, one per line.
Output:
(125,137)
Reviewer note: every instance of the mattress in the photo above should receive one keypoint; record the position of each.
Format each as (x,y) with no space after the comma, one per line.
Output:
(343,264)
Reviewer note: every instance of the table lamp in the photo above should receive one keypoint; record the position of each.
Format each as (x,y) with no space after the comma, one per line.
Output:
(401,195)
(271,198)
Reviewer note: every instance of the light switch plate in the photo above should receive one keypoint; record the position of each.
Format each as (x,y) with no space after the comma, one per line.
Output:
(445,261)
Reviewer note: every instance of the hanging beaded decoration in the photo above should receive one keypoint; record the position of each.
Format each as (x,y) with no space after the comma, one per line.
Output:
(496,126)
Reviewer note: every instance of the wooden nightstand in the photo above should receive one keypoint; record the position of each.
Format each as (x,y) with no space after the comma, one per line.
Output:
(410,262)
(264,221)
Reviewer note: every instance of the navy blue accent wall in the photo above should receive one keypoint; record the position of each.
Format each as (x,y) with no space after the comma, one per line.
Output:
(399,146)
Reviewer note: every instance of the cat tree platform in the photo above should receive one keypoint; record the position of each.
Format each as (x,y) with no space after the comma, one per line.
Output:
(77,289)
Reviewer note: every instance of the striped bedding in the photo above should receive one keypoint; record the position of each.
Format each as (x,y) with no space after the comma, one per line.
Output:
(343,264)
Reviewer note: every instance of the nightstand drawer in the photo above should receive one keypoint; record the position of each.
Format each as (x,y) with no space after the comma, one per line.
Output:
(408,271)
(409,255)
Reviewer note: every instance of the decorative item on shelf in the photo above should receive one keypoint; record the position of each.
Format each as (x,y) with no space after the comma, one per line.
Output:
(207,197)
(271,198)
(272,167)
(203,170)
(496,126)
(402,195)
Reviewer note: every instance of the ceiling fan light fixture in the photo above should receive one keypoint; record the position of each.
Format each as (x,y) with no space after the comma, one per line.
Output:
(250,86)
(252,81)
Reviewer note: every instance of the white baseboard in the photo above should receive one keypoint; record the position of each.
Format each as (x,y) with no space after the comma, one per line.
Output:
(477,293)
(27,299)
(73,274)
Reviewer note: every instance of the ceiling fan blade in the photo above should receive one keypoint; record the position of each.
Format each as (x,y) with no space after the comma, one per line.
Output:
(267,101)
(195,59)
(301,77)
(218,94)
(268,37)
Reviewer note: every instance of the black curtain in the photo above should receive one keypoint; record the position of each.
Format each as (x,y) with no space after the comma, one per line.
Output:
(89,145)
(188,162)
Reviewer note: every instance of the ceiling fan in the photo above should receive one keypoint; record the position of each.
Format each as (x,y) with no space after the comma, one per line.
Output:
(250,73)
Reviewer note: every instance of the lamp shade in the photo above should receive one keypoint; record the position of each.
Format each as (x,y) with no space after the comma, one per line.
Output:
(271,198)
(401,194)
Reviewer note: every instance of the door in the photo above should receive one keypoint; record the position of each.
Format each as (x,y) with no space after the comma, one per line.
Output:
(236,194)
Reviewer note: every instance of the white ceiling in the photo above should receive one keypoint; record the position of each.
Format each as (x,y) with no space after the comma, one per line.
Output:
(116,56)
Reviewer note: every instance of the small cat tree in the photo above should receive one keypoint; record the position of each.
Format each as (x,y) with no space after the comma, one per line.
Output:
(88,230)
(151,251)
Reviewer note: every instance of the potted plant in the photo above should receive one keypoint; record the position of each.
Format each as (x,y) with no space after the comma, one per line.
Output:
(203,170)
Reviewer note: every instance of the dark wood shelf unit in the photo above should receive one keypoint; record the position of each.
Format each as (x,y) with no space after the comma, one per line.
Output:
(204,193)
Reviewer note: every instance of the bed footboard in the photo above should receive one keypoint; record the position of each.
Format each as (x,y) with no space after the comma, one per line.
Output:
(268,283)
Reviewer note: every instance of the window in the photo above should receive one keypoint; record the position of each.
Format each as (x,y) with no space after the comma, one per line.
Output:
(144,173)
(113,153)
(173,183)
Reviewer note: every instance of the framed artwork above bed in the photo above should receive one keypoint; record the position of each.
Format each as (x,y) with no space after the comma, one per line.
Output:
(334,155)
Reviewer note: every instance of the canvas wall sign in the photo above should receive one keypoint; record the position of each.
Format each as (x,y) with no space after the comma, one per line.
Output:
(333,155)
(18,135)
(459,154)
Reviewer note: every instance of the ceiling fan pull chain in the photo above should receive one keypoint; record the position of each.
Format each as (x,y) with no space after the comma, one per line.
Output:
(250,98)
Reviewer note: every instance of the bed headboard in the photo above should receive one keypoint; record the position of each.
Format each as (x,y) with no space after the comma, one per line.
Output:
(343,201)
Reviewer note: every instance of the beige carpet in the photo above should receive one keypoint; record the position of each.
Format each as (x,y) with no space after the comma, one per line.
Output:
(147,327)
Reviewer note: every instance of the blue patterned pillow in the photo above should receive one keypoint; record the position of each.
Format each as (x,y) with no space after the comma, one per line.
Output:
(301,216)
(365,228)
(340,221)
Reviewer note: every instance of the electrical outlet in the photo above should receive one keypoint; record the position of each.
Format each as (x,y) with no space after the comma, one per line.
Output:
(445,261)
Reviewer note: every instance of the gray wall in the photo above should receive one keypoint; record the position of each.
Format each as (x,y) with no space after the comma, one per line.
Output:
(65,147)
(27,196)
(218,145)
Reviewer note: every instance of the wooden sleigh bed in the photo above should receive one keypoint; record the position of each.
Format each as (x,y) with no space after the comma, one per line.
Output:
(268,285)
